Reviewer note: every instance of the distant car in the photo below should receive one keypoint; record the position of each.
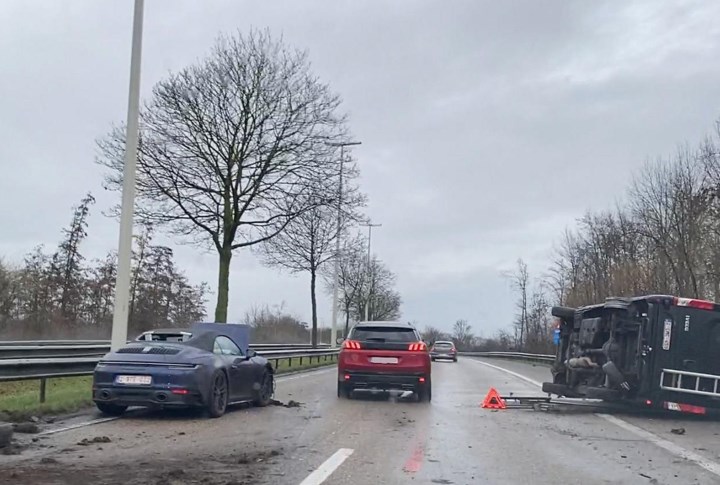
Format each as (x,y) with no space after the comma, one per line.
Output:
(384,356)
(443,350)
(208,365)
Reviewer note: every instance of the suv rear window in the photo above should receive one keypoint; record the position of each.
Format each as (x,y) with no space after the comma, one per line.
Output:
(384,334)
(443,345)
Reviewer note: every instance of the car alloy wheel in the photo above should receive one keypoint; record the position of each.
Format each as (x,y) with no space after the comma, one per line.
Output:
(219,395)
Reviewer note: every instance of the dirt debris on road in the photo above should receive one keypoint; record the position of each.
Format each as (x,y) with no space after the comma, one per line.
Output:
(97,439)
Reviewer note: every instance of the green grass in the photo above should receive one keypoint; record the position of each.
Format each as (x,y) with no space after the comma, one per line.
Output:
(64,395)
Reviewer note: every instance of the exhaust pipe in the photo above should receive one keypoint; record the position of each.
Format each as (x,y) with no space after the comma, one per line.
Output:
(161,396)
(104,395)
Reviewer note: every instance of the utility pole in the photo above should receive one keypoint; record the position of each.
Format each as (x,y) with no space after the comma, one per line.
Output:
(336,275)
(369,225)
(122,286)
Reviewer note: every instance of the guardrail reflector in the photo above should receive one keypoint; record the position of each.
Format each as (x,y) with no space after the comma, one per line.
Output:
(493,400)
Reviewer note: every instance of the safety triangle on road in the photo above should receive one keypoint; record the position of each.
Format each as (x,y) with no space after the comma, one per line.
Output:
(493,400)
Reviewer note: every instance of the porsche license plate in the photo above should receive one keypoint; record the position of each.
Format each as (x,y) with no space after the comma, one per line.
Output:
(134,380)
(384,360)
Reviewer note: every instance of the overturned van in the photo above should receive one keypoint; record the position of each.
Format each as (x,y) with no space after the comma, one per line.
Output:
(655,351)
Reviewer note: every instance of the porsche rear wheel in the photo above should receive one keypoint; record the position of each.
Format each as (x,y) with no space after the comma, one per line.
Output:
(266,391)
(110,409)
(218,398)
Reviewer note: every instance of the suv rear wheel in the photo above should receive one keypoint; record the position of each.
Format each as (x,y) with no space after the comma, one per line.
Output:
(424,393)
(343,391)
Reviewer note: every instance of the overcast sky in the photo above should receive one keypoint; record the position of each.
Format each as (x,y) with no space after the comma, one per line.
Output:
(487,127)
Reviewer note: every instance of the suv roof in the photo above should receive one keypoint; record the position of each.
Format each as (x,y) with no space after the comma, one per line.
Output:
(383,324)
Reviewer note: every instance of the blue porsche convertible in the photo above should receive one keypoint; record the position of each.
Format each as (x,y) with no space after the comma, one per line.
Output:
(208,365)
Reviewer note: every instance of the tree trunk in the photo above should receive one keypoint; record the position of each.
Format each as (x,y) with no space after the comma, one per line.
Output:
(223,285)
(347,322)
(313,300)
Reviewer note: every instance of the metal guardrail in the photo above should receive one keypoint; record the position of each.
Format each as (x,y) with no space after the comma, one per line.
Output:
(90,348)
(42,368)
(544,358)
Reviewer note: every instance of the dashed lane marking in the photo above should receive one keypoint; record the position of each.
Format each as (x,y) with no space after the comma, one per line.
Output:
(328,467)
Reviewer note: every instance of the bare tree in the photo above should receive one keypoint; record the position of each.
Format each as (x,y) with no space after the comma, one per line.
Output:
(520,279)
(462,335)
(231,146)
(308,242)
(362,285)
(432,334)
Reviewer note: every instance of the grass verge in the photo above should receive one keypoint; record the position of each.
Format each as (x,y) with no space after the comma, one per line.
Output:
(21,399)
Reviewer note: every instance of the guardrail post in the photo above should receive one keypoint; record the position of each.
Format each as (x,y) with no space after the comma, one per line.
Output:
(43,383)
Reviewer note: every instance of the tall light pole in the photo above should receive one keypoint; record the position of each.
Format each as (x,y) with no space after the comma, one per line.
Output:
(122,284)
(369,225)
(336,275)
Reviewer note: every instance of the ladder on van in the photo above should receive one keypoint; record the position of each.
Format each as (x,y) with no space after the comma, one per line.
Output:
(690,382)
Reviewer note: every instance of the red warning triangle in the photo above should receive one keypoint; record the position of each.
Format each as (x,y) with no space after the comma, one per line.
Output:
(493,400)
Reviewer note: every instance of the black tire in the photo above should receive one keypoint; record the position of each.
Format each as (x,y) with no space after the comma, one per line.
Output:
(266,391)
(111,409)
(342,391)
(432,358)
(425,392)
(455,360)
(218,397)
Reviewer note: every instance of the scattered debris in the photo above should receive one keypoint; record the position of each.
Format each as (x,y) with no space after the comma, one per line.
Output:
(181,433)
(27,428)
(290,403)
(48,461)
(97,439)
(678,431)
(441,480)
(34,419)
(257,456)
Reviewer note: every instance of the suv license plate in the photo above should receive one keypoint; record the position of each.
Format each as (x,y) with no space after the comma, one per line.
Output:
(384,360)
(137,380)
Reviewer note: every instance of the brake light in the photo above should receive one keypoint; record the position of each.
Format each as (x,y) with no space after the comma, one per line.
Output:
(421,380)
(417,347)
(181,392)
(693,303)
(351,344)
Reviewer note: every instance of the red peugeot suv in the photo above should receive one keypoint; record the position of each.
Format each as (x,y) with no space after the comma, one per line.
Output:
(384,356)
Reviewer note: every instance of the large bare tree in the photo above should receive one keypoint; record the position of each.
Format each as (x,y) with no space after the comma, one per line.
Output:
(232,146)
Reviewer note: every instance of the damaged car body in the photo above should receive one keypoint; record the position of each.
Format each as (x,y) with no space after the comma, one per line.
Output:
(656,351)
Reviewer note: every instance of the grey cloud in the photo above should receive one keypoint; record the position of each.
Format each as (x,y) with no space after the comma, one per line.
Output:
(487,127)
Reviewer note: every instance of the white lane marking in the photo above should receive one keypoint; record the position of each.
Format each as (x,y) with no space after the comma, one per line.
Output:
(677,450)
(79,425)
(280,378)
(507,371)
(328,467)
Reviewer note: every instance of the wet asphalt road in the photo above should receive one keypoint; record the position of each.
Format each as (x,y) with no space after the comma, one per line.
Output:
(449,441)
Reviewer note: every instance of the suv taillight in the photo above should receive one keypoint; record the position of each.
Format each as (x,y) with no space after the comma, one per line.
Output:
(351,344)
(417,347)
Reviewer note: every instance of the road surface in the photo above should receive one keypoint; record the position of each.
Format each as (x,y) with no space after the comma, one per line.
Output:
(377,441)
